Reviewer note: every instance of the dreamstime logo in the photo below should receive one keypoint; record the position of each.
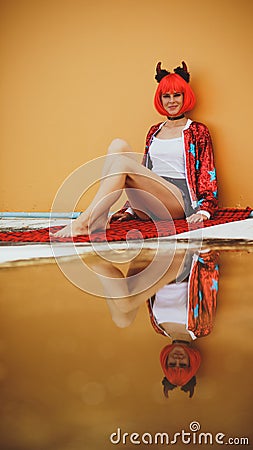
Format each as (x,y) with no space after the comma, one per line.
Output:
(194,426)
(84,275)
(180,437)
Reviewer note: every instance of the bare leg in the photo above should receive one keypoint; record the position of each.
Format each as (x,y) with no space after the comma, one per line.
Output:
(79,226)
(122,171)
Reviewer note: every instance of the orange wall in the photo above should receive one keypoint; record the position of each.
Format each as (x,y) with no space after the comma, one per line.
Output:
(76,73)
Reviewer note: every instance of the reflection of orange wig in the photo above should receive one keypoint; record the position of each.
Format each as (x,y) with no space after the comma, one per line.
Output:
(174,83)
(179,376)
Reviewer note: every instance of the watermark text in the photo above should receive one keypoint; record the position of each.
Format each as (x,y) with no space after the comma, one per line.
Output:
(192,436)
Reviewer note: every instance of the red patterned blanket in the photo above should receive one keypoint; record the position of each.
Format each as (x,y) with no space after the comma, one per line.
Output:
(120,231)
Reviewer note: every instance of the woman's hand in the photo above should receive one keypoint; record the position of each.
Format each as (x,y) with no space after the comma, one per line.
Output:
(196,218)
(121,216)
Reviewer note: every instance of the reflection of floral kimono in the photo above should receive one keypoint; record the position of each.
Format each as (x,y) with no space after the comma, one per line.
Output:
(202,295)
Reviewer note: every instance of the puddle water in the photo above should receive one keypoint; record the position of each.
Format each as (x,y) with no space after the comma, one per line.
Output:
(75,368)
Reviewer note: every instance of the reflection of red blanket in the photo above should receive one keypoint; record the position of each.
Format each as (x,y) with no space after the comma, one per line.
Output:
(132,229)
(202,295)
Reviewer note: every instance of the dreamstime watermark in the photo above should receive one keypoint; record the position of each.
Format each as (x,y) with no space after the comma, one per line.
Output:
(192,436)
(84,275)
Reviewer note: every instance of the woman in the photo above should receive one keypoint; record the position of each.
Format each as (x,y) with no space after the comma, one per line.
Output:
(178,152)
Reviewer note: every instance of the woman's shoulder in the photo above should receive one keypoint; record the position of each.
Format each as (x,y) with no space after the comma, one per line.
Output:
(198,126)
(154,127)
(151,131)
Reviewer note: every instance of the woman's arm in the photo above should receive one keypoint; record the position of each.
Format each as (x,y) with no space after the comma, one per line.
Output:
(207,191)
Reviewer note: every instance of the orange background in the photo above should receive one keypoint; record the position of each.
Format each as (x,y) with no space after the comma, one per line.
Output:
(75,74)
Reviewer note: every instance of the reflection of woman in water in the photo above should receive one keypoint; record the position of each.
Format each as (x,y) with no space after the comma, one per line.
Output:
(185,311)
(178,152)
(181,307)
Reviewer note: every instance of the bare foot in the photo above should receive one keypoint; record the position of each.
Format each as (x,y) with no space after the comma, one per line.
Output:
(70,230)
(81,228)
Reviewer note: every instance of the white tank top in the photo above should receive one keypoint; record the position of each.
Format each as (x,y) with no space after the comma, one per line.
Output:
(171,305)
(167,157)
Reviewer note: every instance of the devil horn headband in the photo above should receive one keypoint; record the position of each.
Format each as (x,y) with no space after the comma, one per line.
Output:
(160,73)
(181,71)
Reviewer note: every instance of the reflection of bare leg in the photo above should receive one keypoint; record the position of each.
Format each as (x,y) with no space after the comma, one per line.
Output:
(112,279)
(122,171)
(136,280)
(125,296)
(108,275)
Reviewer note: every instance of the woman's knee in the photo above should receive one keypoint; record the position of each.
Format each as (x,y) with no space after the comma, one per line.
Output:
(119,145)
(121,163)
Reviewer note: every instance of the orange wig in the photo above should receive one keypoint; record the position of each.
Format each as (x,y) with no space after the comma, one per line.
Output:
(171,83)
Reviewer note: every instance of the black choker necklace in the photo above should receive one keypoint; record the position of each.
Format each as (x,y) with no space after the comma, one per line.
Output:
(175,118)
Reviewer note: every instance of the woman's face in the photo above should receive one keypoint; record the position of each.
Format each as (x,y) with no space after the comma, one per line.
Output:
(178,357)
(172,102)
